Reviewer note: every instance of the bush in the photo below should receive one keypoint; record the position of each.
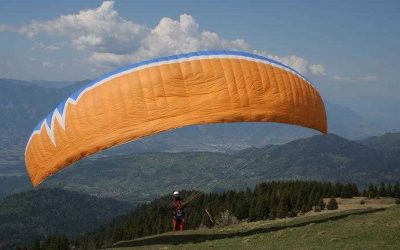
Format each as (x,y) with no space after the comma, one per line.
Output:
(332,204)
(206,222)
(292,213)
(226,218)
(317,208)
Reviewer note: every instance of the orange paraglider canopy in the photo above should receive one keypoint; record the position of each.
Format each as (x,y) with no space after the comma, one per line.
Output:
(167,93)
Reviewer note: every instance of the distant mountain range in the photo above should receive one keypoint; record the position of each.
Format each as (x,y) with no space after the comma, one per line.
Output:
(388,141)
(32,215)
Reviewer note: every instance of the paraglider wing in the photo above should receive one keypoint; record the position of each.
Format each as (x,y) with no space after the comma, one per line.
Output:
(166,93)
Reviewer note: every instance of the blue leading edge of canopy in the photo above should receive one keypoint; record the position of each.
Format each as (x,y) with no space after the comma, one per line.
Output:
(75,95)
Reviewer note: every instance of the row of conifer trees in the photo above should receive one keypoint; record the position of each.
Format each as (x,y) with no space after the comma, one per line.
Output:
(270,200)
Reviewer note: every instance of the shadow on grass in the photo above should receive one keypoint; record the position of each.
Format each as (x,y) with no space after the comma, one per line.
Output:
(176,239)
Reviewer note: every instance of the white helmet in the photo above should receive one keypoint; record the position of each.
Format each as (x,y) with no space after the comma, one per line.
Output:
(176,193)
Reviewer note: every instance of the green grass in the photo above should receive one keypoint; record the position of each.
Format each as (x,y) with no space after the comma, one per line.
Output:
(356,229)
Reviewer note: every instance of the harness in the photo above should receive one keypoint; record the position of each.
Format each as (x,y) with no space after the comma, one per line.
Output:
(179,214)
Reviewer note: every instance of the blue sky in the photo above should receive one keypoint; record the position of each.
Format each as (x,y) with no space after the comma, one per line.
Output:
(349,49)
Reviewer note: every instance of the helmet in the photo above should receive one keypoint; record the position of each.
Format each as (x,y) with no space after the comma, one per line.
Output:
(176,193)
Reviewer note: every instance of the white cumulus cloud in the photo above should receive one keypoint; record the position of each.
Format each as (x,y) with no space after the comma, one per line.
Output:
(48,64)
(318,69)
(298,63)
(111,40)
(100,29)
(50,47)
(170,37)
(367,78)
(7,28)
(370,78)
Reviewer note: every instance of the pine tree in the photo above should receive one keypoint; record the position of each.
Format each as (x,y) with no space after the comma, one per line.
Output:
(299,202)
(396,190)
(389,190)
(332,204)
(36,245)
(346,192)
(56,242)
(382,190)
(375,188)
(328,190)
(272,213)
(305,204)
(282,209)
(365,193)
(253,210)
(355,191)
(321,203)
(241,208)
(259,208)
(264,208)
(372,192)
(338,189)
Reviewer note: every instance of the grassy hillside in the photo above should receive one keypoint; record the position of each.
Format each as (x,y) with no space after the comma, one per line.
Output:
(388,141)
(34,214)
(330,158)
(351,229)
(14,184)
